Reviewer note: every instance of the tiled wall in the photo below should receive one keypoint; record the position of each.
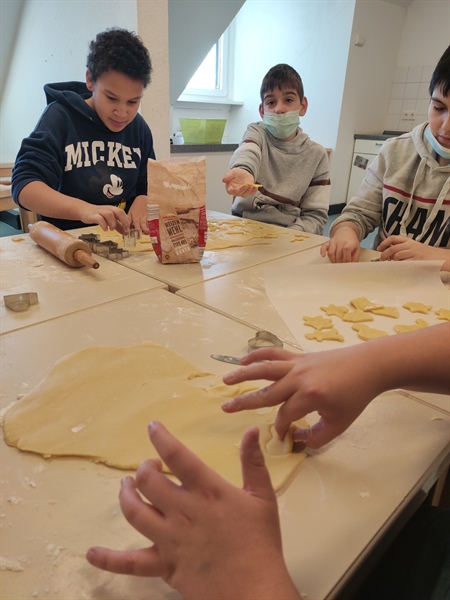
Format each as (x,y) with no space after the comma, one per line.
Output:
(409,95)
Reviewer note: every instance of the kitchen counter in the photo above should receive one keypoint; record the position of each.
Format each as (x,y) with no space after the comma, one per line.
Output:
(191,148)
(378,136)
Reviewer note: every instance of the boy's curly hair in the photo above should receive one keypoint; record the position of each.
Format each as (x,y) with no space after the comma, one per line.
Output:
(441,75)
(119,50)
(280,76)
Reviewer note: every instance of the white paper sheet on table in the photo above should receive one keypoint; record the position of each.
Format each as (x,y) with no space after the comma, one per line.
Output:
(296,292)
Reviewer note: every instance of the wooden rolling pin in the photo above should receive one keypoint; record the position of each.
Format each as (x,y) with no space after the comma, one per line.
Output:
(61,244)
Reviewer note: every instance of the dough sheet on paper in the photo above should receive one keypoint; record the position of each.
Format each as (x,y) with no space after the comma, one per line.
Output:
(308,291)
(222,234)
(97,403)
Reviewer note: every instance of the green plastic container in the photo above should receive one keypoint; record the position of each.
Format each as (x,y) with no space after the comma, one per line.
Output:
(202,131)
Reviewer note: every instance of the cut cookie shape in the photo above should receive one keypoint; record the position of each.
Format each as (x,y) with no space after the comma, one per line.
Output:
(417,307)
(364,304)
(419,324)
(357,316)
(443,313)
(318,322)
(277,447)
(334,311)
(368,333)
(386,311)
(327,334)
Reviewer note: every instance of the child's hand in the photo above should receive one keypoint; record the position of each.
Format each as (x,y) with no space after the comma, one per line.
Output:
(138,213)
(398,247)
(343,246)
(239,182)
(210,538)
(304,383)
(108,217)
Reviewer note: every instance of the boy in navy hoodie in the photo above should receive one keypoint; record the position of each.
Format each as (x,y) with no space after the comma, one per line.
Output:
(85,162)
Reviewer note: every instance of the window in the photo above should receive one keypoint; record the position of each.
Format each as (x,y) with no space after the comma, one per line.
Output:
(211,78)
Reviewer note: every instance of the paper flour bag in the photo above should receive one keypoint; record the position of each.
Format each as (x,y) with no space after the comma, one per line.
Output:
(177,209)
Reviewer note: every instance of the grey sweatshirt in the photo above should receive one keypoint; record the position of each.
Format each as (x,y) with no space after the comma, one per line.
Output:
(294,176)
(405,192)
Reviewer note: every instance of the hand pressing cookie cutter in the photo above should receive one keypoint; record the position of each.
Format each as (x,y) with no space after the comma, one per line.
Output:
(130,239)
(264,339)
(20,302)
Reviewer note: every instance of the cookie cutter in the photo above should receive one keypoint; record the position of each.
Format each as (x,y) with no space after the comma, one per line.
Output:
(130,239)
(20,302)
(107,249)
(264,339)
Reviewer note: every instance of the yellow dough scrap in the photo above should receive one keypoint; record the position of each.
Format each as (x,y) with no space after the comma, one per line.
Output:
(318,322)
(327,334)
(386,311)
(443,313)
(334,311)
(419,324)
(277,447)
(357,316)
(362,303)
(300,237)
(417,307)
(368,333)
(97,403)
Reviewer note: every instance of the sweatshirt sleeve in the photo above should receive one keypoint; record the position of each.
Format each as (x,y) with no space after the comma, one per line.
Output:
(148,153)
(248,154)
(40,157)
(365,208)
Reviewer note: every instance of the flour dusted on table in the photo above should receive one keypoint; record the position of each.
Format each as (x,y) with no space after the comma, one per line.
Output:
(177,209)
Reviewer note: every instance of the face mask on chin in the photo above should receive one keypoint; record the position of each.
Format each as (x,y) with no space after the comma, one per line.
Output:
(441,150)
(282,126)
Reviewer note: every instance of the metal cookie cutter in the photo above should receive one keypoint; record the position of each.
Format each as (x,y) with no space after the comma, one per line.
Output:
(130,240)
(264,339)
(20,302)
(107,249)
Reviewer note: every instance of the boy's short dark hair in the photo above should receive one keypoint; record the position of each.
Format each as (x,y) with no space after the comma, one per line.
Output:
(441,74)
(280,76)
(119,50)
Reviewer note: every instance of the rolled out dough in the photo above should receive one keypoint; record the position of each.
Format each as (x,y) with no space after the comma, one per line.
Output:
(97,403)
(222,234)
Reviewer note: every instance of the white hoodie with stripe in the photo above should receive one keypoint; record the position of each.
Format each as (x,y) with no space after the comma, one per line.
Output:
(405,192)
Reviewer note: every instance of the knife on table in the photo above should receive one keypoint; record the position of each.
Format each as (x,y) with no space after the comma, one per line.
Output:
(228,359)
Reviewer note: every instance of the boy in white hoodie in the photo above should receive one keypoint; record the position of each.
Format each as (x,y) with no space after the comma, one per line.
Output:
(406,191)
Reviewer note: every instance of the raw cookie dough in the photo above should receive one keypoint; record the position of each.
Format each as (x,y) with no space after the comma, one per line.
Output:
(368,333)
(222,234)
(318,322)
(418,307)
(98,402)
(419,324)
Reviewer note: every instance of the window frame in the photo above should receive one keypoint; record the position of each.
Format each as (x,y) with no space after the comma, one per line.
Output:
(221,94)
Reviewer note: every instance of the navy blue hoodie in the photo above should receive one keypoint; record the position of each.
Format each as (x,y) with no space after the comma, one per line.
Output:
(73,152)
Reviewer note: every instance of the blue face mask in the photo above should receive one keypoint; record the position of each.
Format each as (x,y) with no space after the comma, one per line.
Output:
(444,152)
(282,126)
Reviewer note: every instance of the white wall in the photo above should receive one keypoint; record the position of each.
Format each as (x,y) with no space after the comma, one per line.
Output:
(426,33)
(313,38)
(368,82)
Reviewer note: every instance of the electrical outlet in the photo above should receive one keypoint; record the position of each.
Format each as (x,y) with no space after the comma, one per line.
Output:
(408,115)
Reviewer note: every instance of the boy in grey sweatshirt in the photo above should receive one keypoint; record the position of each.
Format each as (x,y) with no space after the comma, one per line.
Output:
(406,191)
(278,174)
